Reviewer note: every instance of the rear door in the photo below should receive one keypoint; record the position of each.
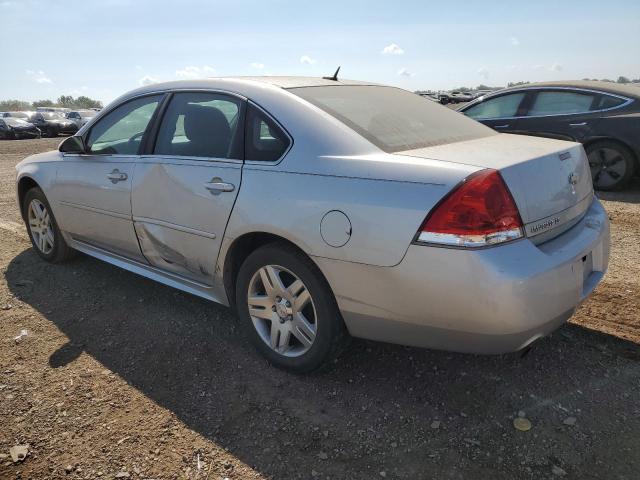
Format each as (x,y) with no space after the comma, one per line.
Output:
(185,186)
(563,114)
(501,112)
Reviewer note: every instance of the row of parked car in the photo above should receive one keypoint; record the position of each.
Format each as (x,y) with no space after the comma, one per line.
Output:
(50,123)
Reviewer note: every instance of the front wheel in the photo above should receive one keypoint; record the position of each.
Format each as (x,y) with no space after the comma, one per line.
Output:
(288,309)
(43,228)
(611,165)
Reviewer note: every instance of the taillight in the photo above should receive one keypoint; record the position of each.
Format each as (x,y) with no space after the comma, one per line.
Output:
(479,212)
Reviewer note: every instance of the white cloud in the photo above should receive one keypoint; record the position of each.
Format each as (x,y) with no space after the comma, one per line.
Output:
(556,67)
(38,76)
(483,72)
(538,67)
(195,72)
(257,65)
(403,72)
(307,60)
(147,80)
(514,41)
(392,49)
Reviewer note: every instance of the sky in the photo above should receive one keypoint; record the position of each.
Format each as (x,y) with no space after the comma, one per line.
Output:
(103,48)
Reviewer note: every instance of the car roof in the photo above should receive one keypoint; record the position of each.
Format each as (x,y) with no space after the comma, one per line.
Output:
(627,90)
(241,83)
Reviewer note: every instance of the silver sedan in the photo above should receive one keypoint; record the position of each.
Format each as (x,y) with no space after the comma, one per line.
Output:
(321,209)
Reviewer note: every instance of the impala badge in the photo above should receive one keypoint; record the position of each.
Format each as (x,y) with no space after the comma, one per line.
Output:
(573,178)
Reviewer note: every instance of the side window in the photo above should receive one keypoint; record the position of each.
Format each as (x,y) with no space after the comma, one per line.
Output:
(607,101)
(121,130)
(500,107)
(559,103)
(264,139)
(200,124)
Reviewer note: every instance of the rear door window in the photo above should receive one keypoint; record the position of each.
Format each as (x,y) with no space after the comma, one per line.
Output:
(504,106)
(200,124)
(561,103)
(264,139)
(608,101)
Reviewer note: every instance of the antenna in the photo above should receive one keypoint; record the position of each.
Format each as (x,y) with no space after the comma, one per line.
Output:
(334,77)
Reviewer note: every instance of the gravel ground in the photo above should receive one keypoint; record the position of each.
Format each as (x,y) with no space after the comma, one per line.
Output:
(120,377)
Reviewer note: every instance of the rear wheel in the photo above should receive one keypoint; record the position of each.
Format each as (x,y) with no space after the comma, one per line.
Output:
(43,230)
(288,309)
(611,163)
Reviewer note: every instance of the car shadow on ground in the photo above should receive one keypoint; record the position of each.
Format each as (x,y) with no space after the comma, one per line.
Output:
(630,194)
(373,411)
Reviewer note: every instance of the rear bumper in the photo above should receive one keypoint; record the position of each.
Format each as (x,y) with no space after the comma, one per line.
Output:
(493,300)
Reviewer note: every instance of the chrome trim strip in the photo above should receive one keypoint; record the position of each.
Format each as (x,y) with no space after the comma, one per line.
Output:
(174,226)
(484,98)
(556,221)
(95,210)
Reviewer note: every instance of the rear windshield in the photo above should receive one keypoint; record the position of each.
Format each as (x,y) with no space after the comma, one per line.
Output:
(391,118)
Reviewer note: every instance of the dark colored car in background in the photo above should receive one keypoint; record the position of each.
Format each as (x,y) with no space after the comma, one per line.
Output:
(13,128)
(52,123)
(603,116)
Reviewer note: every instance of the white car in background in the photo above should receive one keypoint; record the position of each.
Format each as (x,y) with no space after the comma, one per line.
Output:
(80,117)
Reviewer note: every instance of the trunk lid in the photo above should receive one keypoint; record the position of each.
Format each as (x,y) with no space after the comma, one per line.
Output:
(549,179)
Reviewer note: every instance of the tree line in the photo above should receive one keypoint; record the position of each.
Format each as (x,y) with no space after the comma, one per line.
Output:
(64,101)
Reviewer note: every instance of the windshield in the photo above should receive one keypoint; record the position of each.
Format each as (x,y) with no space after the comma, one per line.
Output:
(15,122)
(391,118)
(19,115)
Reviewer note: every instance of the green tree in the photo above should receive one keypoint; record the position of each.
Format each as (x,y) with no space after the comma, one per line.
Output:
(66,101)
(622,79)
(42,103)
(14,105)
(86,102)
(515,84)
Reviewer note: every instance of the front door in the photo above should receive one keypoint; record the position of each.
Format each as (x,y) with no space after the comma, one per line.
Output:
(500,113)
(184,191)
(93,190)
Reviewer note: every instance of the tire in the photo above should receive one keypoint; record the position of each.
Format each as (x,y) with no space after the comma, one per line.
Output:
(311,333)
(612,165)
(35,219)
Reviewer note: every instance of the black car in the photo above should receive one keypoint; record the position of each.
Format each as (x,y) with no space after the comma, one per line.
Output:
(12,128)
(52,123)
(603,116)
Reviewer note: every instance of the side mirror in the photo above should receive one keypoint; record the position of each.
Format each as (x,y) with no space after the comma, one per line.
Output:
(74,144)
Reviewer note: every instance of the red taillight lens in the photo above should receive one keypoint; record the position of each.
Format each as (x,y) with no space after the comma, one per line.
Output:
(480,212)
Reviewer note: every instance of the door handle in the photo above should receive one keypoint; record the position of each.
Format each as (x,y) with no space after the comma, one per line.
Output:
(502,126)
(578,124)
(117,176)
(216,186)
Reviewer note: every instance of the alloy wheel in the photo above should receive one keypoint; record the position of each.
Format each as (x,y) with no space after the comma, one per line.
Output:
(282,310)
(608,167)
(39,222)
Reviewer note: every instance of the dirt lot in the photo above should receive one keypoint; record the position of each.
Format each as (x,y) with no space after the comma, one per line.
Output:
(120,377)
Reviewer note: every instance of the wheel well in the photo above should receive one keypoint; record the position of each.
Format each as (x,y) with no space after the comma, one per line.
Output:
(636,159)
(24,185)
(239,250)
